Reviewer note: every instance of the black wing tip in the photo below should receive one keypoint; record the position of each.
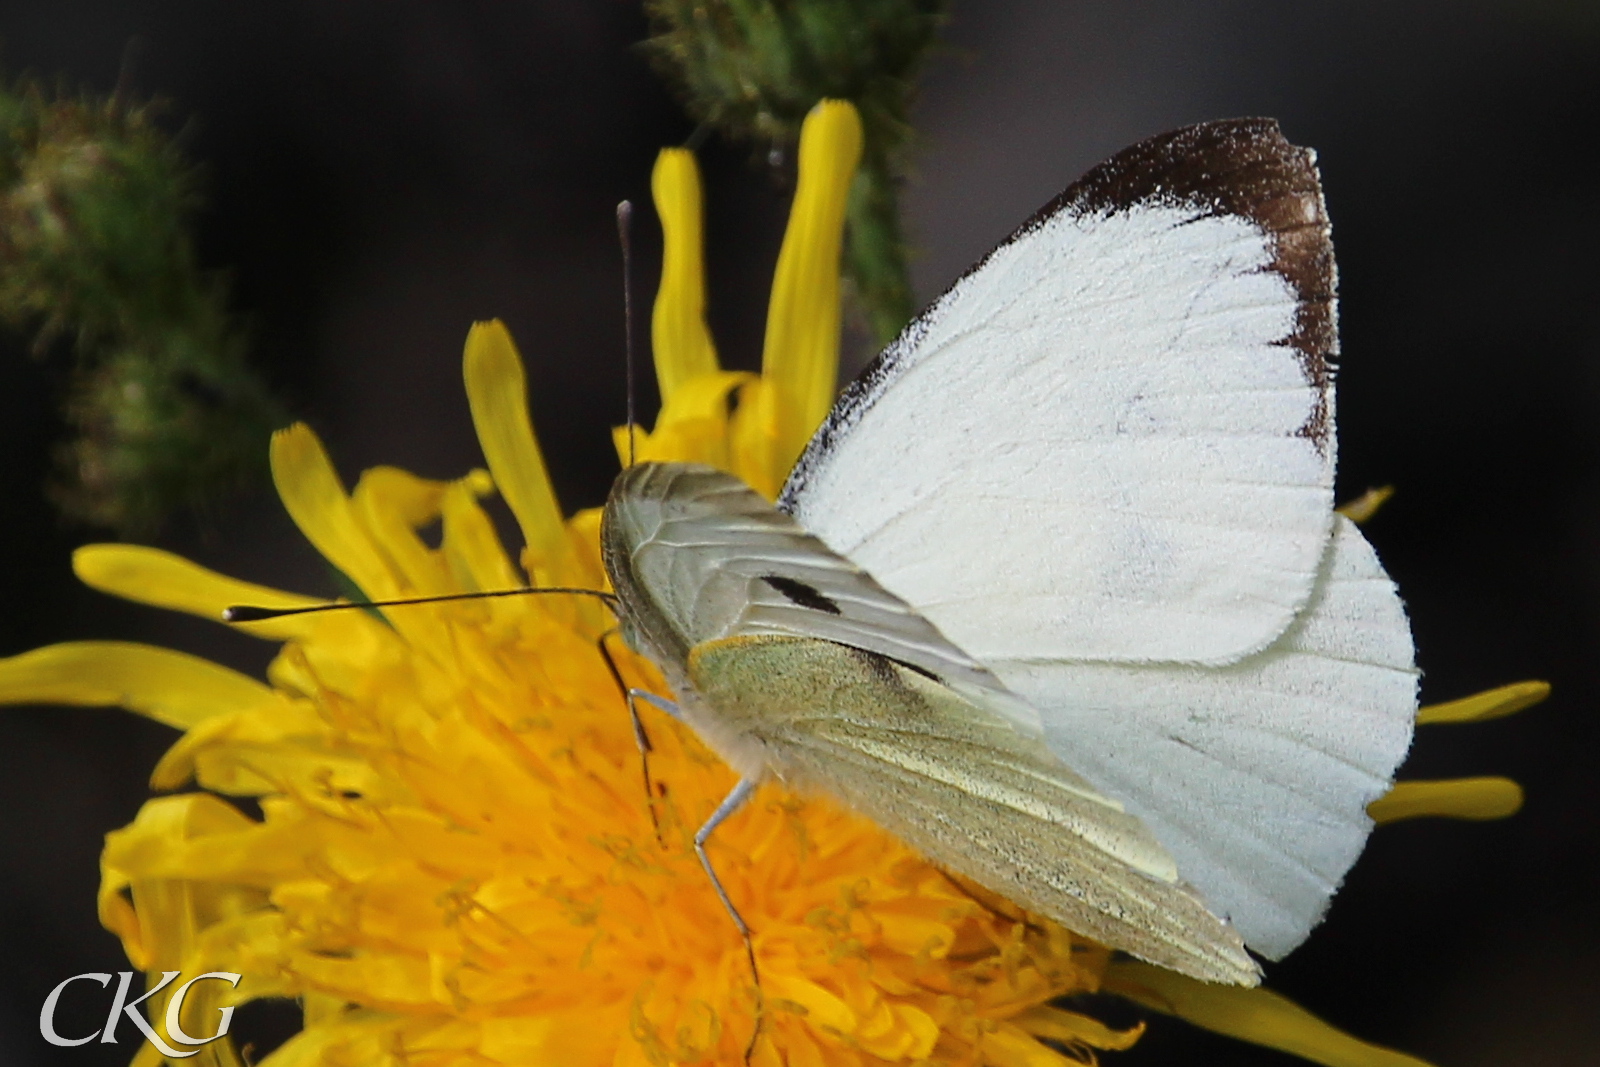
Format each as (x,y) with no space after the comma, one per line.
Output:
(1243,167)
(1219,165)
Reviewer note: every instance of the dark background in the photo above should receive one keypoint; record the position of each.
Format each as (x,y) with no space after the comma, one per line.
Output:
(383,172)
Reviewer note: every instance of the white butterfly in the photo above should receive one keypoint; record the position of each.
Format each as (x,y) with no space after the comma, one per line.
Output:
(1057,593)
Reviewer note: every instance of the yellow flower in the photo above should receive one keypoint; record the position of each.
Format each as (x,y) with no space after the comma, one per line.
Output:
(776,412)
(456,863)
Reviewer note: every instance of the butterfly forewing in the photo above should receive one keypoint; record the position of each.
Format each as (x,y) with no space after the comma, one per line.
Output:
(1110,440)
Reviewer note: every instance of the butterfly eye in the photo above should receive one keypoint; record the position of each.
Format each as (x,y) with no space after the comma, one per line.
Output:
(800,593)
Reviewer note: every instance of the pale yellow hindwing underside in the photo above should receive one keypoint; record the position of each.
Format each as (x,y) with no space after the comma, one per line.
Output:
(962,785)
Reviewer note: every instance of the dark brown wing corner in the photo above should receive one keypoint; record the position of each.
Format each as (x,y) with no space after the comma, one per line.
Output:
(1236,167)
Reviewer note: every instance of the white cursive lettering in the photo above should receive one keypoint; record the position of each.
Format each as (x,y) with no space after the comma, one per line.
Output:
(47,1014)
(120,1006)
(175,1008)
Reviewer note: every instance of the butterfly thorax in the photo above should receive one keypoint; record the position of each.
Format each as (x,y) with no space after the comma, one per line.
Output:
(666,618)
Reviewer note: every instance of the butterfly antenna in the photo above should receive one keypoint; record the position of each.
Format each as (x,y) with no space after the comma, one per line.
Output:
(251,613)
(625,236)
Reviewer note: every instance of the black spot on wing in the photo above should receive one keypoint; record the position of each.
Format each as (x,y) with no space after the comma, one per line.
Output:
(883,667)
(800,593)
(914,669)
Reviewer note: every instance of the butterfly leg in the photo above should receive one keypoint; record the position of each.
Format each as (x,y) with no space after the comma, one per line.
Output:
(732,803)
(658,701)
(640,738)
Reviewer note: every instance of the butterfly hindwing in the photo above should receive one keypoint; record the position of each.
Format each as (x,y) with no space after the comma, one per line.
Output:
(964,787)
(1255,775)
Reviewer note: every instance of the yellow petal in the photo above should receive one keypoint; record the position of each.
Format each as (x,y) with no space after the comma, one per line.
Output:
(400,496)
(1010,1046)
(152,576)
(1453,798)
(922,1033)
(518,1038)
(678,335)
(692,426)
(1068,1026)
(823,1009)
(1490,704)
(158,928)
(170,687)
(391,504)
(318,1008)
(316,500)
(470,544)
(150,1056)
(1258,1016)
(238,736)
(584,529)
(754,441)
(801,354)
(1367,504)
(497,391)
(243,770)
(703,397)
(333,1043)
